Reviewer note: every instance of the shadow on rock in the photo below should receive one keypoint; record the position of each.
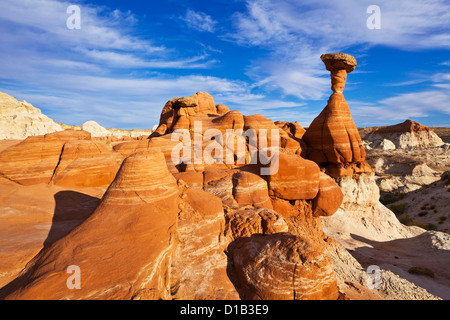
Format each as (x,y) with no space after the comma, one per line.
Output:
(71,209)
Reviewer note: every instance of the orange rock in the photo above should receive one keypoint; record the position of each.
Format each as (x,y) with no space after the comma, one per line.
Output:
(66,158)
(176,108)
(199,267)
(222,109)
(86,164)
(163,144)
(32,161)
(407,126)
(68,135)
(296,179)
(35,159)
(192,179)
(283,267)
(293,128)
(246,221)
(250,189)
(205,103)
(333,138)
(123,250)
(329,198)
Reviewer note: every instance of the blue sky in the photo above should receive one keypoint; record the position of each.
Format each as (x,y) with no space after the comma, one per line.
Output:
(256,56)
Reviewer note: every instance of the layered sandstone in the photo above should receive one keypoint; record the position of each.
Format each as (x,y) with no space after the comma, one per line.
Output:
(409,134)
(260,190)
(192,215)
(134,210)
(298,269)
(66,158)
(333,139)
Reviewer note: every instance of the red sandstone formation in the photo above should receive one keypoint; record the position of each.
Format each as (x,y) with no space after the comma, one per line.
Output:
(407,126)
(66,158)
(283,267)
(332,138)
(201,229)
(135,210)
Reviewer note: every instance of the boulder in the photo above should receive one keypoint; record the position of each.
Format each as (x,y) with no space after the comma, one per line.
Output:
(282,266)
(296,178)
(333,138)
(95,129)
(251,189)
(329,198)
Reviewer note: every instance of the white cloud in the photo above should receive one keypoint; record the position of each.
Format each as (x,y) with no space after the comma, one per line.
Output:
(297,32)
(199,21)
(418,104)
(137,102)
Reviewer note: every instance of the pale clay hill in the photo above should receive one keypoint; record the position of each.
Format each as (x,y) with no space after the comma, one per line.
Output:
(413,178)
(211,230)
(19,119)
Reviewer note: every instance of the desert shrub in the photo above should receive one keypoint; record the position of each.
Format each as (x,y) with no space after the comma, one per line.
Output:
(443,218)
(399,208)
(391,198)
(421,271)
(405,220)
(446,177)
(423,213)
(433,207)
(426,226)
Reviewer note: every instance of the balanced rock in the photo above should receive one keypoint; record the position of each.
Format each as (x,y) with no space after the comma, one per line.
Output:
(333,138)
(339,61)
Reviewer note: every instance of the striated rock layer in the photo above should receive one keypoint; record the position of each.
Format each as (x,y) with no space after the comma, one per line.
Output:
(184,238)
(333,139)
(123,249)
(66,158)
(196,214)
(409,134)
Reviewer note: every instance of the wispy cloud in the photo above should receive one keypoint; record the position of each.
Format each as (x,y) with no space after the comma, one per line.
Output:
(296,32)
(432,99)
(102,71)
(199,21)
